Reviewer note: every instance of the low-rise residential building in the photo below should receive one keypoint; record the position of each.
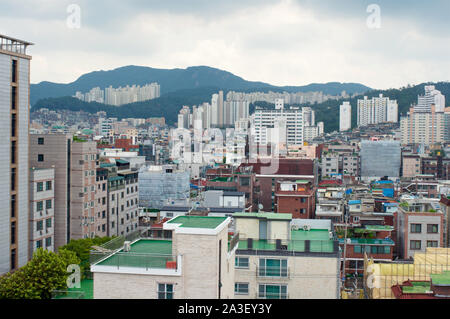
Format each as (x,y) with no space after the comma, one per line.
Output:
(42,201)
(297,198)
(197,263)
(420,225)
(282,258)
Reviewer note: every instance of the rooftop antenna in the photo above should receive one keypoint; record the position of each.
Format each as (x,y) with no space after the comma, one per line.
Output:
(260,208)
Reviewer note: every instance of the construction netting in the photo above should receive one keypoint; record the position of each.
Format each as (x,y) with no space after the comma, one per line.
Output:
(158,185)
(380,277)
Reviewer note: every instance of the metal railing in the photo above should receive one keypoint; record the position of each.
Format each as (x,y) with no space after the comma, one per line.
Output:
(273,272)
(289,246)
(273,296)
(134,260)
(233,242)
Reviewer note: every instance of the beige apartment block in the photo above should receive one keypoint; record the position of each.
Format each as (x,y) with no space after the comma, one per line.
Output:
(198,263)
(282,258)
(411,165)
(42,199)
(83,188)
(14,169)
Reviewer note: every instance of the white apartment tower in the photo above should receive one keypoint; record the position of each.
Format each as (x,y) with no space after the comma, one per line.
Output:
(377,110)
(14,168)
(345,117)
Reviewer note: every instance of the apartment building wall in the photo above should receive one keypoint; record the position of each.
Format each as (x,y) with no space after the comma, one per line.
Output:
(308,277)
(14,169)
(130,204)
(101,203)
(83,188)
(42,201)
(411,165)
(405,235)
(56,149)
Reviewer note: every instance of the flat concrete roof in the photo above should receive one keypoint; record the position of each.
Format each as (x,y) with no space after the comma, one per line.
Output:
(198,221)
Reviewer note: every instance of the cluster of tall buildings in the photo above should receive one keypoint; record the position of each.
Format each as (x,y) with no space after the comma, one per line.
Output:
(289,98)
(377,110)
(217,114)
(122,95)
(283,126)
(427,122)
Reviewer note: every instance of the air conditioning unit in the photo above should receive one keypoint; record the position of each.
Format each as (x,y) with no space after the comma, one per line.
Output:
(331,235)
(295,227)
(307,227)
(127,246)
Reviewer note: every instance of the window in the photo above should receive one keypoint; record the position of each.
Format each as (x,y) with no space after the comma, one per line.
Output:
(48,185)
(14,71)
(40,206)
(416,228)
(241,262)
(165,291)
(13,152)
(432,229)
(13,233)
(39,244)
(40,157)
(48,242)
(48,223)
(13,125)
(415,245)
(432,243)
(40,186)
(13,97)
(40,141)
(13,179)
(13,206)
(240,289)
(48,204)
(13,259)
(273,268)
(39,225)
(273,291)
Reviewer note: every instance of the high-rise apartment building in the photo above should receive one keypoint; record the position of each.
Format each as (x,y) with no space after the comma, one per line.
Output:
(263,120)
(345,117)
(14,169)
(427,122)
(377,110)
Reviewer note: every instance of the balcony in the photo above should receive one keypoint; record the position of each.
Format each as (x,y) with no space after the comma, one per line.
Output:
(273,272)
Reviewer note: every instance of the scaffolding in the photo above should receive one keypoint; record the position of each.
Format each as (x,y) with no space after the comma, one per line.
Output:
(158,184)
(380,277)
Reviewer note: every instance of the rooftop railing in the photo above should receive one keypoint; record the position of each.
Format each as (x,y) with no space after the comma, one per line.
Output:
(288,247)
(13,45)
(122,260)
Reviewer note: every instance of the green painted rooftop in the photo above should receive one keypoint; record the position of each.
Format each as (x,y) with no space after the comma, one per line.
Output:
(379,228)
(319,242)
(418,287)
(302,181)
(441,279)
(265,215)
(86,291)
(198,221)
(143,253)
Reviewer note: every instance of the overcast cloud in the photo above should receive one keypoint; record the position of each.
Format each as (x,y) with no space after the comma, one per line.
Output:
(282,42)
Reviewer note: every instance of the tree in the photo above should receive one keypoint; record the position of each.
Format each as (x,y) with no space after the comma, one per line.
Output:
(44,273)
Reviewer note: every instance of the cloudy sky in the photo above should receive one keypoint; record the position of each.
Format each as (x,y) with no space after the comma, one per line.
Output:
(282,42)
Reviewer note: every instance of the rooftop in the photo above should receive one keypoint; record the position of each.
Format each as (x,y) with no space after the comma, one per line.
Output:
(144,252)
(418,287)
(320,242)
(198,221)
(441,279)
(265,215)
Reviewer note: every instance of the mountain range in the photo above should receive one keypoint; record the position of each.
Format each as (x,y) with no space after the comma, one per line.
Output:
(175,80)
